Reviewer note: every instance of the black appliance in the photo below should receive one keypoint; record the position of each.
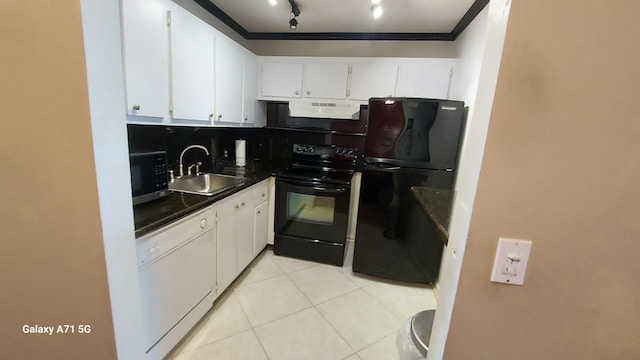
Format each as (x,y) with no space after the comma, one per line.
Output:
(148,176)
(409,142)
(312,203)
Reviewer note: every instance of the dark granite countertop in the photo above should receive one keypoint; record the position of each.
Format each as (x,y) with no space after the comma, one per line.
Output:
(436,204)
(156,214)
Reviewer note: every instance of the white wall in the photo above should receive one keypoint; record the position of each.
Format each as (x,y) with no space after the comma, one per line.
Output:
(470,47)
(480,51)
(103,53)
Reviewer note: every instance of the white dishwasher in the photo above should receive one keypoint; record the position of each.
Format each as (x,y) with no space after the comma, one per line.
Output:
(177,275)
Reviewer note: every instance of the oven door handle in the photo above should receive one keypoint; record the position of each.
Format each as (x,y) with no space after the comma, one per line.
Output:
(381,166)
(315,187)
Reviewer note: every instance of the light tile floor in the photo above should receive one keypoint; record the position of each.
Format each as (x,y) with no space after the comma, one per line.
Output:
(283,308)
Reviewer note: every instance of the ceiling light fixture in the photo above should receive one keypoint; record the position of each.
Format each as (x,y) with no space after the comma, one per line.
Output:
(295,11)
(377,11)
(376,8)
(293,23)
(273,2)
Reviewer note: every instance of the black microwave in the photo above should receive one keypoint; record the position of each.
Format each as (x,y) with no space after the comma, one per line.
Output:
(148,176)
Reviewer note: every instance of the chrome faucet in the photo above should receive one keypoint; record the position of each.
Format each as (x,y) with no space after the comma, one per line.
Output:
(185,150)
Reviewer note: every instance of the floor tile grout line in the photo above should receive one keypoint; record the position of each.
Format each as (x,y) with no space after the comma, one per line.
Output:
(264,350)
(336,330)
(253,328)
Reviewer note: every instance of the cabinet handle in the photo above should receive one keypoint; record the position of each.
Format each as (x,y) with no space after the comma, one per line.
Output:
(237,206)
(258,212)
(246,119)
(203,223)
(308,92)
(243,203)
(262,195)
(210,116)
(219,117)
(136,107)
(297,92)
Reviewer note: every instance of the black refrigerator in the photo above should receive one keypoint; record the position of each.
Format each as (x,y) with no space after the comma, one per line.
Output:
(409,142)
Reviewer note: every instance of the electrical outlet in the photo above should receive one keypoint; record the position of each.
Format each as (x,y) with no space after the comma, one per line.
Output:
(511,260)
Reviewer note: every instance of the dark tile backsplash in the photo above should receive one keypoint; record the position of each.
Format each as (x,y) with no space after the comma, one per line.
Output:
(268,149)
(174,139)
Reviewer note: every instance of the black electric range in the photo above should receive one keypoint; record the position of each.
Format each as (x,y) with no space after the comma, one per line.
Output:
(312,203)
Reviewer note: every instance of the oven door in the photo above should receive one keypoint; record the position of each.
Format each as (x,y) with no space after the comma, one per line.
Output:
(312,210)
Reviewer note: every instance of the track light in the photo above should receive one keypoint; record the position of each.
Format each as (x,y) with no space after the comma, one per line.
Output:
(295,11)
(377,11)
(376,8)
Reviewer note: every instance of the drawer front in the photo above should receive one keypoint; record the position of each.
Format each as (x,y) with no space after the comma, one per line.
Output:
(154,245)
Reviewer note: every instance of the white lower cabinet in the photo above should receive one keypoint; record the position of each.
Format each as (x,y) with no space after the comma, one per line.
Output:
(261,222)
(227,232)
(245,230)
(236,224)
(261,228)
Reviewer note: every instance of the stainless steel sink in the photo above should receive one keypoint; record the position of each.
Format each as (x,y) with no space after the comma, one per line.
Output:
(205,184)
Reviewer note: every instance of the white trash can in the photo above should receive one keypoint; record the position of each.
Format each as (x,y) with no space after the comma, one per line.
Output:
(413,336)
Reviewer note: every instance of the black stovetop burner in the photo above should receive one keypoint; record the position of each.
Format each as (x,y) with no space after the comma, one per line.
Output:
(322,163)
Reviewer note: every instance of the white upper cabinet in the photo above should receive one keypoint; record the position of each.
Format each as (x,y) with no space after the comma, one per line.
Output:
(192,67)
(146,57)
(428,78)
(309,80)
(250,84)
(325,81)
(281,79)
(373,80)
(229,68)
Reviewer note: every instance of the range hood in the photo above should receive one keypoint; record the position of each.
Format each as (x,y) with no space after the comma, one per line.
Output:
(324,109)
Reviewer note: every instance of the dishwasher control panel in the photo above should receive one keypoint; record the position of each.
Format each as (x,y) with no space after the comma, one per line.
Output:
(156,244)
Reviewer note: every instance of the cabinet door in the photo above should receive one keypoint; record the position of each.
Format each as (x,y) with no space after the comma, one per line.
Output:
(245,229)
(281,79)
(229,64)
(326,81)
(146,57)
(192,68)
(226,234)
(425,78)
(372,80)
(250,83)
(262,228)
